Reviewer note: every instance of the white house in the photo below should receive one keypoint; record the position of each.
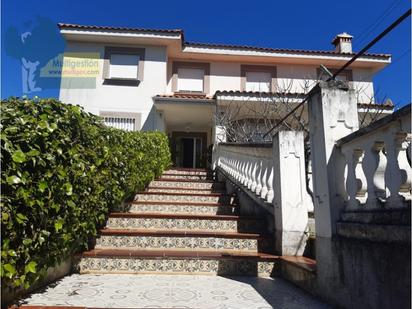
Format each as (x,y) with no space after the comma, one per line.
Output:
(154,80)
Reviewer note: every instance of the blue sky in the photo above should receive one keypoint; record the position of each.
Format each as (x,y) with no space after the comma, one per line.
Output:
(278,24)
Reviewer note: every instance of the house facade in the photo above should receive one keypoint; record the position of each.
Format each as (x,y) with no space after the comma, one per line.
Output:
(155,80)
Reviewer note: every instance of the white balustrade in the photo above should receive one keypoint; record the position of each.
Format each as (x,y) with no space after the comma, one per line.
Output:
(275,174)
(378,172)
(250,166)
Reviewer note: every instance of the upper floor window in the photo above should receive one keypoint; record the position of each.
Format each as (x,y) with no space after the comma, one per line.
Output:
(123,65)
(258,81)
(258,78)
(190,77)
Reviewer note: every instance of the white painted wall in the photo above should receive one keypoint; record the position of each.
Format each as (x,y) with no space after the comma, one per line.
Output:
(134,99)
(293,78)
(157,80)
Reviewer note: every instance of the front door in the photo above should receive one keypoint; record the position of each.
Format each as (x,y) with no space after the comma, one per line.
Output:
(189,149)
(187,152)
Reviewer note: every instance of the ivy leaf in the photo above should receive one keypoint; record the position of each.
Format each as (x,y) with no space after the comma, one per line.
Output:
(18,156)
(27,241)
(68,188)
(58,225)
(31,267)
(21,218)
(10,270)
(43,186)
(33,153)
(13,180)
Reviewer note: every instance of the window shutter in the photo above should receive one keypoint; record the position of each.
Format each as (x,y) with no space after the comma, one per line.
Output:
(124,66)
(190,79)
(258,81)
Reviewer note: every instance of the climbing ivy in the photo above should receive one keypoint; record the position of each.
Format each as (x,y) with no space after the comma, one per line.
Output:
(62,171)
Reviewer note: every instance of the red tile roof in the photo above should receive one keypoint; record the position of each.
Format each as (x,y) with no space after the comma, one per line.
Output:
(211,45)
(255,93)
(279,50)
(93,27)
(188,96)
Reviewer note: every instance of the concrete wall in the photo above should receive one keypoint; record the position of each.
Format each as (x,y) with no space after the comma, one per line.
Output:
(133,99)
(9,295)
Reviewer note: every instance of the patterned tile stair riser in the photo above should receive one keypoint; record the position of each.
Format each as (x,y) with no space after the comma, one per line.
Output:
(182,209)
(186,172)
(180,198)
(182,243)
(184,177)
(187,185)
(185,224)
(178,266)
(183,190)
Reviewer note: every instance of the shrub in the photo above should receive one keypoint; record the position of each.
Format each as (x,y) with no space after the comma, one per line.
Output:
(62,172)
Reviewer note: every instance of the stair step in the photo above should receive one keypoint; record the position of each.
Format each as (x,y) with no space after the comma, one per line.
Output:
(183,197)
(179,190)
(184,222)
(182,262)
(187,171)
(184,176)
(184,240)
(184,183)
(182,208)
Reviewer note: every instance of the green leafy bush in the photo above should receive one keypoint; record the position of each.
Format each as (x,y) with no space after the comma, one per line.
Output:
(62,172)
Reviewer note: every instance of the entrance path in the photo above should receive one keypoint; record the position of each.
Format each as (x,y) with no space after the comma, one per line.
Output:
(172,291)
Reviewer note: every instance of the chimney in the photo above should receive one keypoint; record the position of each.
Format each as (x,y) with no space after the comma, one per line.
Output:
(343,43)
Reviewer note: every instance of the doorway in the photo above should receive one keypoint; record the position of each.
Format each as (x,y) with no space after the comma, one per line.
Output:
(187,152)
(188,149)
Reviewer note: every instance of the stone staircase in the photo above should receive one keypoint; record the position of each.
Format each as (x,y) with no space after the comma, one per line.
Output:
(183,223)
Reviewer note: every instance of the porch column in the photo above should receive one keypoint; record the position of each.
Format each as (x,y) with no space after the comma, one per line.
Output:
(333,114)
(290,196)
(219,136)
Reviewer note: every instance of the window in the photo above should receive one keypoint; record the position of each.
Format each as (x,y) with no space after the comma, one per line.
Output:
(124,66)
(258,81)
(128,124)
(121,120)
(258,78)
(190,79)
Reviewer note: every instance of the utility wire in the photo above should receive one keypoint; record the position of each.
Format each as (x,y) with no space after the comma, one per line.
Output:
(360,53)
(365,33)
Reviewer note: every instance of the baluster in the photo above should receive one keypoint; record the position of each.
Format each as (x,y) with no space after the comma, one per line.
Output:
(379,175)
(361,183)
(250,175)
(402,143)
(259,177)
(242,179)
(242,164)
(245,179)
(264,190)
(238,168)
(254,170)
(271,193)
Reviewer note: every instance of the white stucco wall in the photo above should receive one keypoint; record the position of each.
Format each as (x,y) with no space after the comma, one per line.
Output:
(119,98)
(290,78)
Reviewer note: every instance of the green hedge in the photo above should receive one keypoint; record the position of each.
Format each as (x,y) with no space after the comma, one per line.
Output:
(62,172)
